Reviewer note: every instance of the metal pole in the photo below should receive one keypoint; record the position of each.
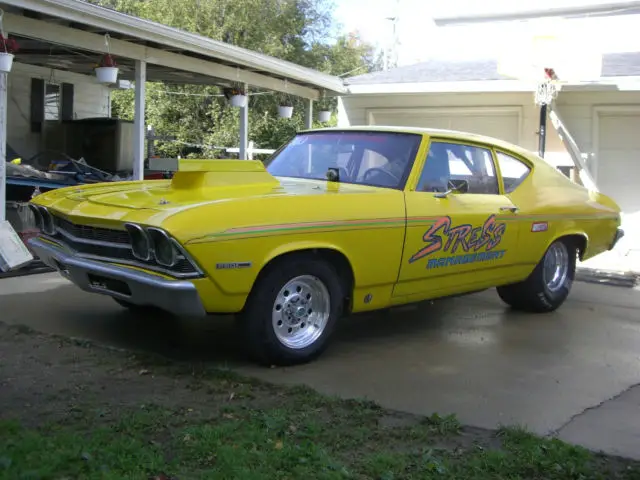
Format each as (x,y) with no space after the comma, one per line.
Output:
(542,139)
(3,146)
(139,135)
(244,127)
(308,119)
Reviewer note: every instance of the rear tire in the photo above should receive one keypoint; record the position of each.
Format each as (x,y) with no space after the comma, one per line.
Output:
(548,286)
(292,311)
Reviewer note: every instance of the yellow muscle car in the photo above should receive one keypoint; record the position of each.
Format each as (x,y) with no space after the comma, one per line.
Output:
(336,221)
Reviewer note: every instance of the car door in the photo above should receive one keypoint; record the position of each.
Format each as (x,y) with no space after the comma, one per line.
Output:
(460,240)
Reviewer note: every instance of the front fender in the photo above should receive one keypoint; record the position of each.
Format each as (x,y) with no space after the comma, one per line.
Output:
(298,246)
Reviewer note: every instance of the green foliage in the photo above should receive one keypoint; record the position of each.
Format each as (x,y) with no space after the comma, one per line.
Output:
(295,30)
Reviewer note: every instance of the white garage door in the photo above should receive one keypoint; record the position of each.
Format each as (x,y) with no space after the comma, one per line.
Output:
(619,174)
(503,125)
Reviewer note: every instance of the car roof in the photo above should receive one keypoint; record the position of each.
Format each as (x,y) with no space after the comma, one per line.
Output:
(440,133)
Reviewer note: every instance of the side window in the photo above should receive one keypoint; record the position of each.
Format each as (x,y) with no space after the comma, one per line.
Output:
(513,171)
(452,161)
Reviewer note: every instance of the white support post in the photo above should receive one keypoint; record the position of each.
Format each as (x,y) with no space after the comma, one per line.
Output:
(139,136)
(244,128)
(308,119)
(3,146)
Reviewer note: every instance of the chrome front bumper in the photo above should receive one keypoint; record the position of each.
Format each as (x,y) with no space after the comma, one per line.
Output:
(179,297)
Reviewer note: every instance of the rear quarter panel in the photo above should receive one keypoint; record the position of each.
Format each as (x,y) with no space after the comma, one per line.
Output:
(548,197)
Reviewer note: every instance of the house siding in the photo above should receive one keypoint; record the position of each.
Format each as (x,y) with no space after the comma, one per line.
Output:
(90,100)
(575,108)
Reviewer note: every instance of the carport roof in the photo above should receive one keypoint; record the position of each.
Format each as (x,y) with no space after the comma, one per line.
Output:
(75,28)
(613,65)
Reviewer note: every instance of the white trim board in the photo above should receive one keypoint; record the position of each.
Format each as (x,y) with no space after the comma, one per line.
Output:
(631,83)
(518,110)
(596,111)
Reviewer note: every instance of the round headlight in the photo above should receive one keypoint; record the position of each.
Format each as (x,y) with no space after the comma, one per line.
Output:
(163,247)
(140,244)
(37,216)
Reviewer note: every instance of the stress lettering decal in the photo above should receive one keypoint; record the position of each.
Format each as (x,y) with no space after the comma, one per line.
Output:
(465,240)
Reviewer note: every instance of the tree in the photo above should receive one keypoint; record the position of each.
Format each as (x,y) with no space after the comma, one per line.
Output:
(293,30)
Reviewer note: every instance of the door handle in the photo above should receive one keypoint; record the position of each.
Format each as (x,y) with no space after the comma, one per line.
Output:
(511,209)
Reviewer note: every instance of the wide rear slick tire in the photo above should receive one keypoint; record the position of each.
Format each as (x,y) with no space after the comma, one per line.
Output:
(292,311)
(548,286)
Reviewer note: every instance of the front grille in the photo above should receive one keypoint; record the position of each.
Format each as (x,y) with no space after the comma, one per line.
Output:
(86,232)
(111,245)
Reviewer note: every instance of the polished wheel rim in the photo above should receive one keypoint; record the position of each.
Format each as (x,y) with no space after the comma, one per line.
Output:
(301,311)
(556,266)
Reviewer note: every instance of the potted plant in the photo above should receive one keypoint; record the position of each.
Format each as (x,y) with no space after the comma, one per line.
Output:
(8,46)
(107,69)
(285,109)
(324,115)
(238,97)
(324,111)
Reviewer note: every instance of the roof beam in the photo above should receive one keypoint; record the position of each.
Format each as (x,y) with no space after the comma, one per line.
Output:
(602,9)
(112,21)
(74,38)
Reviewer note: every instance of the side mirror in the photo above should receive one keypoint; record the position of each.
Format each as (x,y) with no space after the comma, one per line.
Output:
(454,186)
(333,174)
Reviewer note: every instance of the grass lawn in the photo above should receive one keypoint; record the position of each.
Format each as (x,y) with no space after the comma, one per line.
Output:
(71,410)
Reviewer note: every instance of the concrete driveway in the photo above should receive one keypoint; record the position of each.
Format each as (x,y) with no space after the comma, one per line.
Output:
(574,373)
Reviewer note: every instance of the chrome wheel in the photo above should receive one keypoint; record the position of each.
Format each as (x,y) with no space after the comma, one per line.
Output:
(301,311)
(556,266)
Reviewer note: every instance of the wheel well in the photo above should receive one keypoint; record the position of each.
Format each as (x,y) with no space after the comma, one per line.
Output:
(333,257)
(579,241)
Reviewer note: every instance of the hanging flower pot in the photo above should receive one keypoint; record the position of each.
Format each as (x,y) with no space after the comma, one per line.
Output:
(324,116)
(238,100)
(8,46)
(285,111)
(285,106)
(107,70)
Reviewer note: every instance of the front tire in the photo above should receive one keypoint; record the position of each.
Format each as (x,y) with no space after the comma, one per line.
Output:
(292,311)
(549,284)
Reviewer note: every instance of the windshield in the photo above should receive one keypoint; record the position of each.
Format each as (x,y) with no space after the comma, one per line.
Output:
(381,159)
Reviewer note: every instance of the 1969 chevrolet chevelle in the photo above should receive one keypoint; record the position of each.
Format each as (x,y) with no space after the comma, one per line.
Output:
(336,221)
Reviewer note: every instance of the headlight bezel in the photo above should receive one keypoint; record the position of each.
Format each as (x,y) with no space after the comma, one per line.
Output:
(142,252)
(44,219)
(159,238)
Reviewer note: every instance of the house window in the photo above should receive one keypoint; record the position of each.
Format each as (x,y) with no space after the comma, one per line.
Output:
(52,102)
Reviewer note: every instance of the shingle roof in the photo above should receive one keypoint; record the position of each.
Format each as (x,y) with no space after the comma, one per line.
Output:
(613,65)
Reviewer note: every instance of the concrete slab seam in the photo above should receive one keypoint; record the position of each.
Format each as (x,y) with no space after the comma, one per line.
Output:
(557,431)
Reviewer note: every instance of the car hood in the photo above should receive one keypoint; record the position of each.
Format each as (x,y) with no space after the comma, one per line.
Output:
(155,201)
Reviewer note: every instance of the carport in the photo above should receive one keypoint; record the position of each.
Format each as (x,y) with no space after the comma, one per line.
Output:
(70,35)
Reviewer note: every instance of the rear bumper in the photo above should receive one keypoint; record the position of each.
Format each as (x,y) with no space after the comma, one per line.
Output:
(616,238)
(179,297)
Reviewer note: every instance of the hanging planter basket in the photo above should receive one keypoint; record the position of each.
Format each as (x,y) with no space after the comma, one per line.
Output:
(8,46)
(107,75)
(285,111)
(6,62)
(238,100)
(107,70)
(324,116)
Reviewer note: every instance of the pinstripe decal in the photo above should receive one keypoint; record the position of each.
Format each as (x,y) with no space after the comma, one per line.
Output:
(376,223)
